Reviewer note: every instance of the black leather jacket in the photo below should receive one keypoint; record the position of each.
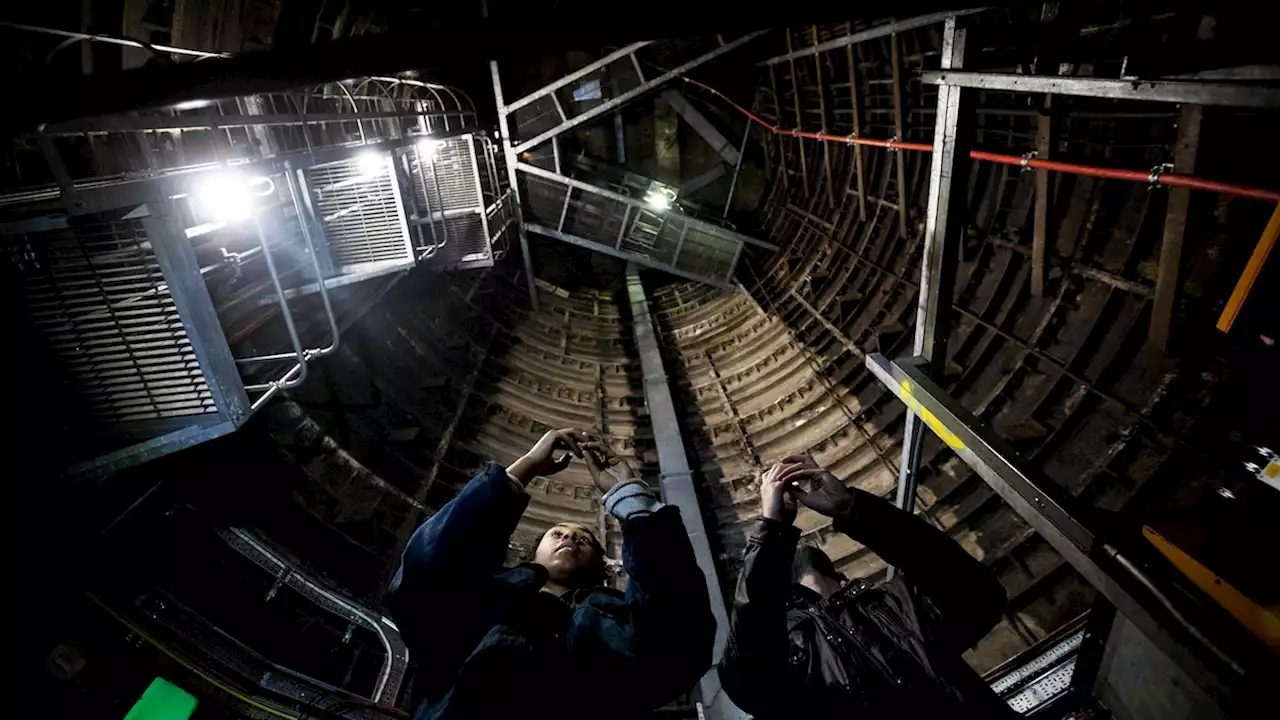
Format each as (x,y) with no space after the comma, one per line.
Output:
(890,651)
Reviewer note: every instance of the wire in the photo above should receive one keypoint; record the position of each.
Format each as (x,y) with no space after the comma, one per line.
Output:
(1153,177)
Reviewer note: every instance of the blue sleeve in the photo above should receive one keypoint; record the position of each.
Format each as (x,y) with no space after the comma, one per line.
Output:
(664,636)
(454,555)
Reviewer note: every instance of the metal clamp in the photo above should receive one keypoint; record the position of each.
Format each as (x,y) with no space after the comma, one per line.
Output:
(1027,157)
(852,137)
(1154,178)
(891,146)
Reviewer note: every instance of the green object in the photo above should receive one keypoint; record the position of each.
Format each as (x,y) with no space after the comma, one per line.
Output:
(163,700)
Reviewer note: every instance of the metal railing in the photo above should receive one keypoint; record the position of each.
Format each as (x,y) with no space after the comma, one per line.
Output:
(658,237)
(166,324)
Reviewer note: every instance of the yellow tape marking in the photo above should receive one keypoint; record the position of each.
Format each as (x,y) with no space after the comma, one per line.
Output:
(929,418)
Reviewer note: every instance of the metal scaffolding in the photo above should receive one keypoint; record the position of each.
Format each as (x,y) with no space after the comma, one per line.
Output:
(1187,638)
(649,229)
(181,278)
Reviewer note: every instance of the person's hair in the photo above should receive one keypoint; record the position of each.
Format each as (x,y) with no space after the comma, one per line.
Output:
(593,574)
(810,560)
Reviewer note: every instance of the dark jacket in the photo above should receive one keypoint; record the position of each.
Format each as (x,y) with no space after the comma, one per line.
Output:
(489,644)
(892,651)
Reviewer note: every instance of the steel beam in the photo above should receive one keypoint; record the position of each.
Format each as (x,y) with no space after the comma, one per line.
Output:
(509,159)
(677,483)
(1196,93)
(576,75)
(942,237)
(878,31)
(633,93)
(1217,657)
(123,124)
(637,259)
(702,126)
(618,197)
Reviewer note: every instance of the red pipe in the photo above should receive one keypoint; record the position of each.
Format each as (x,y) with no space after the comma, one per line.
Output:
(1170,179)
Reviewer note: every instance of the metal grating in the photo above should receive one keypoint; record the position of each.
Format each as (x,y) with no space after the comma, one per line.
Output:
(446,179)
(467,246)
(359,208)
(97,300)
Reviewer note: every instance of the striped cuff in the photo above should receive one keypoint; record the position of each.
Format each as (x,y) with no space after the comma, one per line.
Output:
(629,499)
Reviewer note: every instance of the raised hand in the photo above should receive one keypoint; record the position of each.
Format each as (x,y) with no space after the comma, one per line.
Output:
(775,502)
(815,488)
(541,460)
(606,468)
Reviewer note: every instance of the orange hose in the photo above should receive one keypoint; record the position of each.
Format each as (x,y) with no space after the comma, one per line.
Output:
(1170,179)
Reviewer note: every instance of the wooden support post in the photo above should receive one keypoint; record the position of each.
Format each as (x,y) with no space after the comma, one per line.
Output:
(822,113)
(782,145)
(857,149)
(1038,242)
(903,200)
(795,97)
(1175,223)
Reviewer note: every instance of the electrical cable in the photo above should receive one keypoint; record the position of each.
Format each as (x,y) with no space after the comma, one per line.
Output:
(1154,177)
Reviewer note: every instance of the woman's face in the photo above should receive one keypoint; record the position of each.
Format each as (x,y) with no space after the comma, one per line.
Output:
(565,550)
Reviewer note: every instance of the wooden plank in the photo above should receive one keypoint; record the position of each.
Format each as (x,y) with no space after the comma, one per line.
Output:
(1043,145)
(1175,222)
(822,113)
(903,200)
(795,96)
(857,149)
(782,146)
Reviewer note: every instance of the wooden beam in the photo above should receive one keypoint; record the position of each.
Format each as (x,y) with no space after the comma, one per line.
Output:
(782,146)
(857,149)
(1175,223)
(795,97)
(903,200)
(822,113)
(1043,145)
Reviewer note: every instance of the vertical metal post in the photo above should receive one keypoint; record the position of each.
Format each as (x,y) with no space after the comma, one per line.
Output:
(619,139)
(1044,142)
(857,149)
(943,234)
(1175,224)
(475,171)
(509,158)
(900,162)
(677,483)
(177,261)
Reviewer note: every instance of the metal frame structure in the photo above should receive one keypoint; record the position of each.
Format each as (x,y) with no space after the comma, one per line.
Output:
(515,149)
(626,239)
(1211,650)
(284,138)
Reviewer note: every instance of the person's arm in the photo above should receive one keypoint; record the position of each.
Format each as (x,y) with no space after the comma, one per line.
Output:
(665,636)
(968,597)
(755,668)
(463,545)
